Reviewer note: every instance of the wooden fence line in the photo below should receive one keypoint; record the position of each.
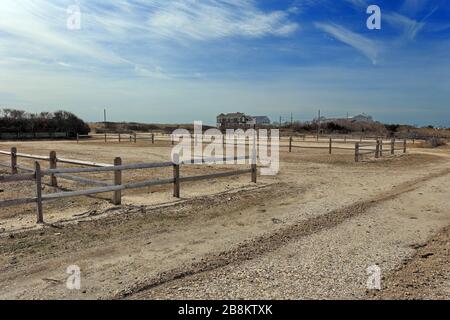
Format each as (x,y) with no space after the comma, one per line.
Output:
(116,187)
(379,148)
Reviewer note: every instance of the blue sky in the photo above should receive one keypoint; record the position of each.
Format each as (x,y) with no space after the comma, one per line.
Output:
(183,60)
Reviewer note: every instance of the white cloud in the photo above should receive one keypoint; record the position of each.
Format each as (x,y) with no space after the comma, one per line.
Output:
(212,19)
(358,3)
(364,45)
(410,27)
(127,33)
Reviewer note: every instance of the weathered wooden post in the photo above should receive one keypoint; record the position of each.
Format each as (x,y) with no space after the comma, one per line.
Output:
(290,144)
(254,171)
(53,164)
(120,139)
(331,146)
(377,149)
(176,176)
(13,160)
(393,146)
(117,197)
(357,152)
(381,147)
(135,137)
(345,139)
(153,138)
(404,146)
(78,138)
(105,138)
(38,176)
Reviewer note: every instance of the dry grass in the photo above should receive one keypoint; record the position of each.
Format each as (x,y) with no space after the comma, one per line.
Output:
(433,143)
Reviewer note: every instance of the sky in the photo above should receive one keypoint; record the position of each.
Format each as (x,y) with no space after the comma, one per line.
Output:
(179,61)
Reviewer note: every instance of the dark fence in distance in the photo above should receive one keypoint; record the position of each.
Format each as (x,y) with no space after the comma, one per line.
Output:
(35,135)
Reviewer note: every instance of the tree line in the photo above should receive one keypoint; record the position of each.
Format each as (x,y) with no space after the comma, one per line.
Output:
(13,121)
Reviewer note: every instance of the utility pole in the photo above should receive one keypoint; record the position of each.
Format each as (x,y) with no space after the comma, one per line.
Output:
(318,126)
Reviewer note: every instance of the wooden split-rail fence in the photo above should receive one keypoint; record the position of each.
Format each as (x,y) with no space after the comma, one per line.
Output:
(380,148)
(117,186)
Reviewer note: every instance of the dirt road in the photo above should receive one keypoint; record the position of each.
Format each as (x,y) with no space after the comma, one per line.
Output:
(310,232)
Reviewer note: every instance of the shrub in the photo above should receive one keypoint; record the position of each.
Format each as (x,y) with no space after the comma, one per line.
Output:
(60,121)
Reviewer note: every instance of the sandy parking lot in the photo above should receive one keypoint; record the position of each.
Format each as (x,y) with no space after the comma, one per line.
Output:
(309,232)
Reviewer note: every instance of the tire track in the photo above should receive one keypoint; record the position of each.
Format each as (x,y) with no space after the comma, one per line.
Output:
(251,249)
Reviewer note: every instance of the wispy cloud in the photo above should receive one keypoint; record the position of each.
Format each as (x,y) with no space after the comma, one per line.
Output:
(128,33)
(211,19)
(410,27)
(358,3)
(364,45)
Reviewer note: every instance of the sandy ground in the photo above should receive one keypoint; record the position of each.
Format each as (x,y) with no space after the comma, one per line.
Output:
(310,232)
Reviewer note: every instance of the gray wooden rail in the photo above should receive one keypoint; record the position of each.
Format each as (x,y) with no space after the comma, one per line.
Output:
(116,187)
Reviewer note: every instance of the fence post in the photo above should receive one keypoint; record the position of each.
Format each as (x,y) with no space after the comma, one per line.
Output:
(53,164)
(377,149)
(78,138)
(135,137)
(117,197)
(254,172)
(331,146)
(14,160)
(290,144)
(120,138)
(345,139)
(357,152)
(153,138)
(393,146)
(105,137)
(38,176)
(381,147)
(176,176)
(404,146)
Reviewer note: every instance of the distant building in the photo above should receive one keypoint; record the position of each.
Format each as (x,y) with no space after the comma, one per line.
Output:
(234,120)
(362,118)
(358,118)
(262,120)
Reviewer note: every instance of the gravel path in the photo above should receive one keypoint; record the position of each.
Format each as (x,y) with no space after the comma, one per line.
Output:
(332,263)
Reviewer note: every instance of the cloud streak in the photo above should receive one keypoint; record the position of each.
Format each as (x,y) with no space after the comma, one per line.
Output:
(410,27)
(366,46)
